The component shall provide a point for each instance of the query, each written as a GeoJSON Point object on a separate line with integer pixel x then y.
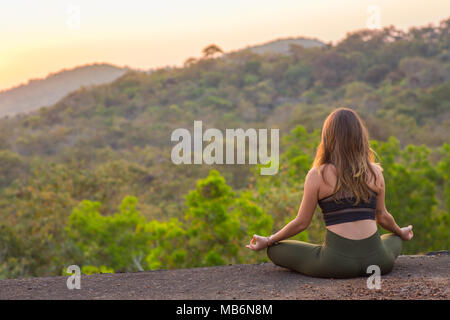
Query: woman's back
{"type": "Point", "coordinates": [354, 230]}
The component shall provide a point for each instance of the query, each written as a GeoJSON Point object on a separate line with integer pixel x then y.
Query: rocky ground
{"type": "Point", "coordinates": [413, 277]}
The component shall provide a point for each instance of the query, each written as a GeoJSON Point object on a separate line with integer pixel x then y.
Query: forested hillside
{"type": "Point", "coordinates": [89, 181]}
{"type": "Point", "coordinates": [37, 93]}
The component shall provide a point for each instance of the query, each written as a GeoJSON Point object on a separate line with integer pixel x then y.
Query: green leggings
{"type": "Point", "coordinates": [338, 257]}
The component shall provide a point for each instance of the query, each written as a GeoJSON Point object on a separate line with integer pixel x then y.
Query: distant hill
{"type": "Point", "coordinates": [45, 92]}
{"type": "Point", "coordinates": [282, 45]}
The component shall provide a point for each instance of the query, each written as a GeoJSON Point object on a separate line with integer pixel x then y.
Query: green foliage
{"type": "Point", "coordinates": [124, 241]}
{"type": "Point", "coordinates": [88, 270]}
{"type": "Point", "coordinates": [12, 167]}
{"type": "Point", "coordinates": [411, 184]}
{"type": "Point", "coordinates": [168, 244]}
{"type": "Point", "coordinates": [217, 226]}
{"type": "Point", "coordinates": [219, 222]}
{"type": "Point", "coordinates": [444, 172]}
{"type": "Point", "coordinates": [12, 265]}
{"type": "Point", "coordinates": [116, 241]}
{"type": "Point", "coordinates": [300, 152]}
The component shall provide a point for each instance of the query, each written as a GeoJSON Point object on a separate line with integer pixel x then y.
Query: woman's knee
{"type": "Point", "coordinates": [293, 254]}
{"type": "Point", "coordinates": [271, 253]}
{"type": "Point", "coordinates": [281, 253]}
{"type": "Point", "coordinates": [268, 251]}
{"type": "Point", "coordinates": [393, 243]}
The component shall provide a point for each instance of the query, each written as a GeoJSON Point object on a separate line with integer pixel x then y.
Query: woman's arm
{"type": "Point", "coordinates": [306, 210]}
{"type": "Point", "coordinates": [303, 218]}
{"type": "Point", "coordinates": [384, 218]}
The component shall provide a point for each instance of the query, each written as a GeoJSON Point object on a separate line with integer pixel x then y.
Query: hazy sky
{"type": "Point", "coordinates": [42, 36]}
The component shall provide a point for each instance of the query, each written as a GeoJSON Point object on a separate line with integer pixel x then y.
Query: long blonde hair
{"type": "Point", "coordinates": [345, 144]}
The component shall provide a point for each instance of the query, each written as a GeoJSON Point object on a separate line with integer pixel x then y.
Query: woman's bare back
{"type": "Point", "coordinates": [355, 230]}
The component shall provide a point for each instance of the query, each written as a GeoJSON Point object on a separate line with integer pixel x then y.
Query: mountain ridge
{"type": "Point", "coordinates": [282, 45]}
{"type": "Point", "coordinates": [40, 92]}
{"type": "Point", "coordinates": [36, 93]}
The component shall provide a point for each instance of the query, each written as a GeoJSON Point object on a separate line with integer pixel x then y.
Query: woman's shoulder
{"type": "Point", "coordinates": [376, 167]}
{"type": "Point", "coordinates": [326, 168]}
{"type": "Point", "coordinates": [379, 182]}
{"type": "Point", "coordinates": [331, 168]}
{"type": "Point", "coordinates": [327, 172]}
{"type": "Point", "coordinates": [324, 174]}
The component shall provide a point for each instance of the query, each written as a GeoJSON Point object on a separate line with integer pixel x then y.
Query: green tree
{"type": "Point", "coordinates": [411, 192]}
{"type": "Point", "coordinates": [211, 51]}
{"type": "Point", "coordinates": [219, 222]}
{"type": "Point", "coordinates": [12, 166]}
{"type": "Point", "coordinates": [124, 241]}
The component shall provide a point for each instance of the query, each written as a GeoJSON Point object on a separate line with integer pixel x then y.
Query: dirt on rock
{"type": "Point", "coordinates": [413, 277]}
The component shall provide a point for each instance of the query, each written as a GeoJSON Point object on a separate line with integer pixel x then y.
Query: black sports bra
{"type": "Point", "coordinates": [346, 211]}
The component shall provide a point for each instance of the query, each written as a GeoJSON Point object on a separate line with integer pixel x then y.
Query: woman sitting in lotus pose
{"type": "Point", "coordinates": [349, 188]}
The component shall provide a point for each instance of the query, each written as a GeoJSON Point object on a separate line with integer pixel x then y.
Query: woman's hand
{"type": "Point", "coordinates": [258, 243]}
{"type": "Point", "coordinates": [406, 233]}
